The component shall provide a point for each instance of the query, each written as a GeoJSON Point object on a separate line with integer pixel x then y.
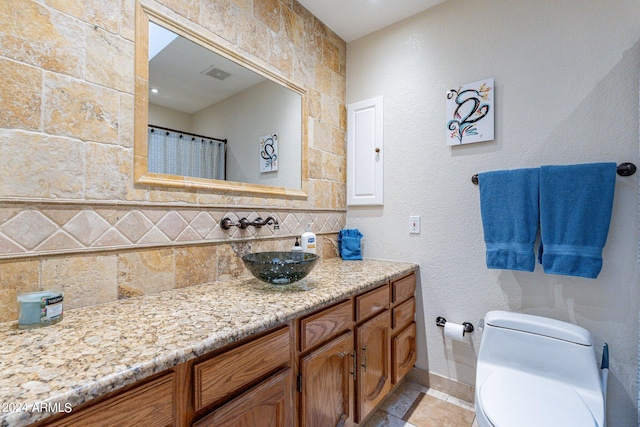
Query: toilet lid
{"type": "Point", "coordinates": [512, 398]}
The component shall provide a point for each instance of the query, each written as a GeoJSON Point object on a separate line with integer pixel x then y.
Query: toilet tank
{"type": "Point", "coordinates": [541, 346]}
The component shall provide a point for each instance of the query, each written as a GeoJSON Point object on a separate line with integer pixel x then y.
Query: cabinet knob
{"type": "Point", "coordinates": [377, 150]}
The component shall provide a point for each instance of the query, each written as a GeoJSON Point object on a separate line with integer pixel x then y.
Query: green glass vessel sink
{"type": "Point", "coordinates": [280, 268]}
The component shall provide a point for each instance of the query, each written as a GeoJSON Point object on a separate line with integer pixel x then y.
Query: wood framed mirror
{"type": "Point", "coordinates": [272, 106]}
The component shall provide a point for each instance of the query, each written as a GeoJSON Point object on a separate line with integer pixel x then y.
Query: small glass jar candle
{"type": "Point", "coordinates": [40, 308]}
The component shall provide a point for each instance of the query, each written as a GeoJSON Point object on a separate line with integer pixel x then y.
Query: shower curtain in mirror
{"type": "Point", "coordinates": [183, 154]}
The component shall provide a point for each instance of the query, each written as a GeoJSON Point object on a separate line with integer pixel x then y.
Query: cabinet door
{"type": "Point", "coordinates": [404, 352]}
{"type": "Point", "coordinates": [266, 405]}
{"type": "Point", "coordinates": [327, 386]}
{"type": "Point", "coordinates": [364, 153]}
{"type": "Point", "coordinates": [374, 363]}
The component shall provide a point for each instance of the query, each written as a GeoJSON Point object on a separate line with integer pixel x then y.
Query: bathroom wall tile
{"type": "Point", "coordinates": [230, 264]}
{"type": "Point", "coordinates": [315, 104]}
{"type": "Point", "coordinates": [244, 5]}
{"type": "Point", "coordinates": [80, 110]}
{"type": "Point", "coordinates": [29, 228]}
{"type": "Point", "coordinates": [16, 276]}
{"type": "Point", "coordinates": [321, 135]}
{"type": "Point", "coordinates": [26, 160]}
{"type": "Point", "coordinates": [134, 225]}
{"type": "Point", "coordinates": [21, 94]}
{"type": "Point", "coordinates": [303, 69]}
{"type": "Point", "coordinates": [108, 60]}
{"type": "Point", "coordinates": [331, 110]}
{"type": "Point", "coordinates": [109, 171]}
{"type": "Point", "coordinates": [339, 142]}
{"type": "Point", "coordinates": [315, 163]}
{"type": "Point", "coordinates": [333, 167]}
{"type": "Point", "coordinates": [322, 193]}
{"type": "Point", "coordinates": [86, 227]}
{"type": "Point", "coordinates": [324, 78]}
{"type": "Point", "coordinates": [86, 280]}
{"type": "Point", "coordinates": [172, 225]}
{"type": "Point", "coordinates": [253, 36]}
{"type": "Point", "coordinates": [203, 224]}
{"type": "Point", "coordinates": [221, 17]}
{"type": "Point", "coordinates": [33, 33]}
{"type": "Point", "coordinates": [174, 195]}
{"type": "Point", "coordinates": [9, 247]}
{"type": "Point", "coordinates": [339, 193]}
{"type": "Point", "coordinates": [196, 265]}
{"type": "Point", "coordinates": [268, 12]}
{"type": "Point", "coordinates": [112, 238]}
{"type": "Point", "coordinates": [145, 272]}
{"type": "Point", "coordinates": [331, 55]}
{"type": "Point", "coordinates": [128, 19]}
{"type": "Point", "coordinates": [59, 240]}
{"type": "Point", "coordinates": [187, 8]}
{"type": "Point", "coordinates": [281, 53]}
{"type": "Point", "coordinates": [95, 12]}
{"type": "Point", "coordinates": [126, 125]}
{"type": "Point", "coordinates": [293, 27]}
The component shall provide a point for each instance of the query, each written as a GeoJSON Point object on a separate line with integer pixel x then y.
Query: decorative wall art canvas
{"type": "Point", "coordinates": [470, 113]}
{"type": "Point", "coordinates": [269, 153]}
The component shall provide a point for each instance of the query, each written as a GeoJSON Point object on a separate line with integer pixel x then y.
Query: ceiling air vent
{"type": "Point", "coordinates": [216, 73]}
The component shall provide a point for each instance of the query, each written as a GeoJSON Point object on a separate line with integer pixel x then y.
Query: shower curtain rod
{"type": "Point", "coordinates": [624, 169]}
{"type": "Point", "coordinates": [188, 133]}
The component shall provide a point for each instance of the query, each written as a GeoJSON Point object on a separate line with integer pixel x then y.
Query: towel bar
{"type": "Point", "coordinates": [624, 169]}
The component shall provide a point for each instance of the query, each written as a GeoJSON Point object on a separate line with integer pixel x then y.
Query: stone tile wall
{"type": "Point", "coordinates": [70, 215]}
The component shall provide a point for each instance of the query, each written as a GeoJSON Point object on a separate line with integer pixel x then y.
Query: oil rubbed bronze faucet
{"type": "Point", "coordinates": [244, 223]}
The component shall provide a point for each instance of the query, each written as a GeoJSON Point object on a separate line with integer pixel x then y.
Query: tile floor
{"type": "Point", "coordinates": [413, 405]}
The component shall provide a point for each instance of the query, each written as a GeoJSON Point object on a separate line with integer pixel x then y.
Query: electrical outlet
{"type": "Point", "coordinates": [414, 225]}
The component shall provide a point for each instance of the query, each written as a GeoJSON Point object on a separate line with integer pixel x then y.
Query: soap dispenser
{"type": "Point", "coordinates": [296, 247]}
{"type": "Point", "coordinates": [309, 240]}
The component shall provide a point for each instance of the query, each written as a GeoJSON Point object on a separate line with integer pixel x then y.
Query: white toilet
{"type": "Point", "coordinates": [533, 371]}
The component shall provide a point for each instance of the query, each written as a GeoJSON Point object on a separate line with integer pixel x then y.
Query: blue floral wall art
{"type": "Point", "coordinates": [470, 113]}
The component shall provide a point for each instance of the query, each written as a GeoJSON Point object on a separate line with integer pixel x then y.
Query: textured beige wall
{"type": "Point", "coordinates": [70, 214]}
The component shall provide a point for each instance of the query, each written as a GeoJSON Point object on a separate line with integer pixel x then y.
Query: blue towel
{"type": "Point", "coordinates": [509, 209]}
{"type": "Point", "coordinates": [349, 244]}
{"type": "Point", "coordinates": [575, 212]}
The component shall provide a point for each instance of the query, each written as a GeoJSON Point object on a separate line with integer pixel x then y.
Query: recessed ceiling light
{"type": "Point", "coordinates": [154, 90]}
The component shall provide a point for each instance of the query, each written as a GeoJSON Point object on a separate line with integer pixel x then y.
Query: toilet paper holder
{"type": "Point", "coordinates": [468, 327]}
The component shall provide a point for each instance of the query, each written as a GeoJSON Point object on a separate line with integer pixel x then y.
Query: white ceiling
{"type": "Point", "coordinates": [351, 19]}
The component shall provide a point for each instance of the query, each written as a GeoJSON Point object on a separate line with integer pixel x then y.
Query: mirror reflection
{"type": "Point", "coordinates": [210, 117]}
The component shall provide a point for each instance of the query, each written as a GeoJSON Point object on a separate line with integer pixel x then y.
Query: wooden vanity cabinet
{"type": "Point", "coordinates": [403, 327]}
{"type": "Point", "coordinates": [342, 360]}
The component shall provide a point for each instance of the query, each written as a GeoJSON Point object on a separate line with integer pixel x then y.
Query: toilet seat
{"type": "Point", "coordinates": [512, 398]}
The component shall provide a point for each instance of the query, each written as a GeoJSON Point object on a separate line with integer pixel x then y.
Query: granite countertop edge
{"type": "Point", "coordinates": [26, 380]}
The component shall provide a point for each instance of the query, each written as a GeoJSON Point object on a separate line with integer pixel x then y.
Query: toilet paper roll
{"type": "Point", "coordinates": [454, 331]}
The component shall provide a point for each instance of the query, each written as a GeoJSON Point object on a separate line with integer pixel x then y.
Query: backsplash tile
{"type": "Point", "coordinates": [50, 230]}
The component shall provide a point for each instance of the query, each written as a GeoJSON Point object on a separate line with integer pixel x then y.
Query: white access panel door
{"type": "Point", "coordinates": [365, 153]}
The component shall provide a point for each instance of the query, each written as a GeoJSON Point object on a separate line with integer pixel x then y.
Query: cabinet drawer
{"type": "Point", "coordinates": [403, 348]}
{"type": "Point", "coordinates": [148, 404]}
{"type": "Point", "coordinates": [218, 378]}
{"type": "Point", "coordinates": [403, 288]}
{"type": "Point", "coordinates": [372, 302]}
{"type": "Point", "coordinates": [325, 324]}
{"type": "Point", "coordinates": [403, 314]}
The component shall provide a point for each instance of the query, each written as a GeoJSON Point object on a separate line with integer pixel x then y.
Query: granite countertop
{"type": "Point", "coordinates": [95, 350]}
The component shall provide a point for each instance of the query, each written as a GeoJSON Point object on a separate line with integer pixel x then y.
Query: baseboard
{"type": "Point", "coordinates": [446, 385]}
